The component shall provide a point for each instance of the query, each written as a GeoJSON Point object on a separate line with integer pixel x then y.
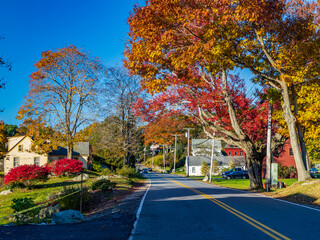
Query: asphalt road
{"type": "Point", "coordinates": [180, 208]}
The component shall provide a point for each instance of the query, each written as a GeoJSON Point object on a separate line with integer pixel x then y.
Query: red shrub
{"type": "Point", "coordinates": [65, 165]}
{"type": "Point", "coordinates": [26, 175]}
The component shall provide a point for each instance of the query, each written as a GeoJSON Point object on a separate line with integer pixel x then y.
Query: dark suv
{"type": "Point", "coordinates": [225, 174]}
{"type": "Point", "coordinates": [238, 174]}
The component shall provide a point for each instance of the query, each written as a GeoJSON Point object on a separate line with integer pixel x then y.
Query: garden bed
{"type": "Point", "coordinates": [41, 191]}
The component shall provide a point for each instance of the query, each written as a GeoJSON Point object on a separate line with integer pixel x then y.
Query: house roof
{"type": "Point", "coordinates": [22, 138]}
{"type": "Point", "coordinates": [223, 160]}
{"type": "Point", "coordinates": [198, 160]}
{"type": "Point", "coordinates": [205, 143]}
{"type": "Point", "coordinates": [228, 146]}
{"type": "Point", "coordinates": [80, 148]}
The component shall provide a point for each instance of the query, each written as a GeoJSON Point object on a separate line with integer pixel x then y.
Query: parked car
{"type": "Point", "coordinates": [144, 170]}
{"type": "Point", "coordinates": [313, 175]}
{"type": "Point", "coordinates": [225, 174]}
{"type": "Point", "coordinates": [238, 174]}
{"type": "Point", "coordinates": [149, 169]}
{"type": "Point", "coordinates": [313, 170]}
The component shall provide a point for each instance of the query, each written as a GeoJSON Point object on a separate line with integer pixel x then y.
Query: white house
{"type": "Point", "coordinates": [193, 166]}
{"type": "Point", "coordinates": [19, 153]}
{"type": "Point", "coordinates": [203, 147]}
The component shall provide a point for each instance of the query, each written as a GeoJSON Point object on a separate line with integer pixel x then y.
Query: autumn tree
{"type": "Point", "coordinates": [162, 127]}
{"type": "Point", "coordinates": [107, 143]}
{"type": "Point", "coordinates": [120, 91]}
{"type": "Point", "coordinates": [220, 107]}
{"type": "Point", "coordinates": [3, 140]}
{"type": "Point", "coordinates": [62, 91]}
{"type": "Point", "coordinates": [308, 117]}
{"type": "Point", "coordinates": [276, 40]}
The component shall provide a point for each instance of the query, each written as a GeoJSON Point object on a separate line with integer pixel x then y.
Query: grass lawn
{"type": "Point", "coordinates": [53, 185]}
{"type": "Point", "coordinates": [39, 194]}
{"type": "Point", "coordinates": [244, 184]}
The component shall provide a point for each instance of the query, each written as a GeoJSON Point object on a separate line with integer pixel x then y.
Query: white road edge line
{"type": "Point", "coordinates": [139, 212]}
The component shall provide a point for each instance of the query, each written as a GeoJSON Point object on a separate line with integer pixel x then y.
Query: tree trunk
{"type": "Point", "coordinates": [303, 147]}
{"type": "Point", "coordinates": [300, 132]}
{"type": "Point", "coordinates": [69, 152]}
{"type": "Point", "coordinates": [292, 127]}
{"type": "Point", "coordinates": [254, 162]}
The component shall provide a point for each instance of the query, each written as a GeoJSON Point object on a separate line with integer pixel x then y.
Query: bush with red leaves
{"type": "Point", "coordinates": [62, 166]}
{"type": "Point", "coordinates": [26, 175]}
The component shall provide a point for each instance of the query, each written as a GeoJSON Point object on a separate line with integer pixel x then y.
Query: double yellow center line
{"type": "Point", "coordinates": [272, 233]}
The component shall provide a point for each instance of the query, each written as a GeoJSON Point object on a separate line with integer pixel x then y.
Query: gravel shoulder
{"type": "Point", "coordinates": [115, 221]}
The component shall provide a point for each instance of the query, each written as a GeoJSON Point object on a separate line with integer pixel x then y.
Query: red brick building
{"type": "Point", "coordinates": [283, 156]}
{"type": "Point", "coordinates": [232, 150]}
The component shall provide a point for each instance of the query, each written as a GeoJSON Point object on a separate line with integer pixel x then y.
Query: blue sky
{"type": "Point", "coordinates": [33, 26]}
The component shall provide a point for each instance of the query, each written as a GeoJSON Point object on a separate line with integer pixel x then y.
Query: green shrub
{"type": "Point", "coordinates": [97, 184]}
{"type": "Point", "coordinates": [20, 204]}
{"type": "Point", "coordinates": [107, 186]}
{"type": "Point", "coordinates": [287, 172]}
{"type": "Point", "coordinates": [99, 167]}
{"type": "Point", "coordinates": [73, 201]}
{"type": "Point", "coordinates": [158, 160]}
{"type": "Point", "coordinates": [103, 184]}
{"type": "Point", "coordinates": [106, 172]}
{"type": "Point", "coordinates": [204, 168]}
{"type": "Point", "coordinates": [128, 172]}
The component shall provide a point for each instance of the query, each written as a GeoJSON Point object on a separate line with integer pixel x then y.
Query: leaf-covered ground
{"type": "Point", "coordinates": [302, 192]}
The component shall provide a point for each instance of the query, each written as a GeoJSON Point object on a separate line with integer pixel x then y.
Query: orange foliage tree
{"type": "Point", "coordinates": [275, 40]}
{"type": "Point", "coordinates": [62, 91]}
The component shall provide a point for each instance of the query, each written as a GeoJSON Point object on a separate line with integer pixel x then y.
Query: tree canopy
{"type": "Point", "coordinates": [62, 91]}
{"type": "Point", "coordinates": [278, 41]}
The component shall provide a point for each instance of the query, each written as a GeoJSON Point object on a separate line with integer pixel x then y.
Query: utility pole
{"type": "Point", "coordinates": [187, 160]}
{"type": "Point", "coordinates": [175, 152]}
{"type": "Point", "coordinates": [268, 159]}
{"type": "Point", "coordinates": [164, 159]}
{"type": "Point", "coordinates": [211, 160]}
{"type": "Point", "coordinates": [144, 155]}
{"type": "Point", "coordinates": [152, 157]}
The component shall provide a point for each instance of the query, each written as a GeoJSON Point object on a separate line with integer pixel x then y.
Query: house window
{"type": "Point", "coordinates": [241, 153]}
{"type": "Point", "coordinates": [20, 148]}
{"type": "Point", "coordinates": [193, 170]}
{"type": "Point", "coordinates": [36, 161]}
{"type": "Point", "coordinates": [235, 153]}
{"type": "Point", "coordinates": [15, 161]}
{"type": "Point", "coordinates": [290, 151]}
{"type": "Point", "coordinates": [77, 158]}
{"type": "Point", "coordinates": [229, 153]}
